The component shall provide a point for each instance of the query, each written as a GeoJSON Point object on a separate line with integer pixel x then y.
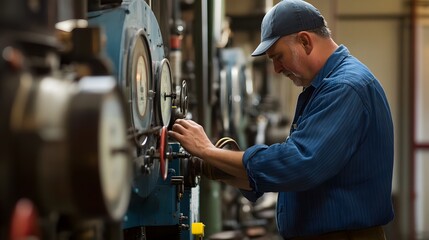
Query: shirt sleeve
{"type": "Point", "coordinates": [326, 136]}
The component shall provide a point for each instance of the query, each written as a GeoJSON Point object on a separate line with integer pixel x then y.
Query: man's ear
{"type": "Point", "coordinates": [306, 42]}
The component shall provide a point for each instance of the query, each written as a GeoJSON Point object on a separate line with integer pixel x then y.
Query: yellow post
{"type": "Point", "coordinates": [197, 229]}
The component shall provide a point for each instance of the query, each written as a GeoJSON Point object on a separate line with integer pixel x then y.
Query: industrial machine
{"type": "Point", "coordinates": [165, 192]}
{"type": "Point", "coordinates": [86, 99]}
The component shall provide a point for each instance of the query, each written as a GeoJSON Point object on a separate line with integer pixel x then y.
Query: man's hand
{"type": "Point", "coordinates": [191, 136]}
{"type": "Point", "coordinates": [222, 164]}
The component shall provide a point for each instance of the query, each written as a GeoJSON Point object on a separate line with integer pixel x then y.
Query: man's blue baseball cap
{"type": "Point", "coordinates": [287, 17]}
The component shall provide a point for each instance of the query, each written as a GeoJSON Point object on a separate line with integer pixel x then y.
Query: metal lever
{"type": "Point", "coordinates": [172, 95]}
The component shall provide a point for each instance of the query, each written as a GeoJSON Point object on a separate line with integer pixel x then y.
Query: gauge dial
{"type": "Point", "coordinates": [114, 162]}
{"type": "Point", "coordinates": [81, 147]}
{"type": "Point", "coordinates": [141, 95]}
{"type": "Point", "coordinates": [165, 92]}
{"type": "Point", "coordinates": [99, 158]}
{"type": "Point", "coordinates": [141, 78]}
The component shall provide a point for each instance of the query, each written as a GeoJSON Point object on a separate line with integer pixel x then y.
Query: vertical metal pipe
{"type": "Point", "coordinates": [210, 190]}
{"type": "Point", "coordinates": [201, 43]}
{"type": "Point", "coordinates": [412, 102]}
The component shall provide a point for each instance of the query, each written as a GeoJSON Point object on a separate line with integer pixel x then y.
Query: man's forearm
{"type": "Point", "coordinates": [228, 161]}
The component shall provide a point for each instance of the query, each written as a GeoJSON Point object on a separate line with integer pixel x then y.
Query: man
{"type": "Point", "coordinates": [334, 171]}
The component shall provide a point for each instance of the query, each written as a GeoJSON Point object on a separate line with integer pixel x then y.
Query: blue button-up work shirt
{"type": "Point", "coordinates": [334, 172]}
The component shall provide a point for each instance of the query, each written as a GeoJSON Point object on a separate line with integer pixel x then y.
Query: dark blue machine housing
{"type": "Point", "coordinates": [125, 25]}
{"type": "Point", "coordinates": [171, 208]}
{"type": "Point", "coordinates": [159, 208]}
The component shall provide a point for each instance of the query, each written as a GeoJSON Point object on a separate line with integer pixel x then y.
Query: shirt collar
{"type": "Point", "coordinates": [333, 61]}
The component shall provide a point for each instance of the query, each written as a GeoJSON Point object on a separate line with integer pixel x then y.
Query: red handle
{"type": "Point", "coordinates": [163, 153]}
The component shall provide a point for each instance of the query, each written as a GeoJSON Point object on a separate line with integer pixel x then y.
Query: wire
{"type": "Point", "coordinates": [224, 141]}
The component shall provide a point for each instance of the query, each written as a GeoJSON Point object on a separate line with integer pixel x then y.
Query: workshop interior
{"type": "Point", "coordinates": [90, 88]}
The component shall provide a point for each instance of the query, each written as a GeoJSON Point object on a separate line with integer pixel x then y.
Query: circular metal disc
{"type": "Point", "coordinates": [164, 90]}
